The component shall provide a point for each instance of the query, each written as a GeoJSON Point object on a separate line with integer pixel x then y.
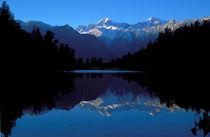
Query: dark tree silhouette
{"type": "Point", "coordinates": [24, 51]}
{"type": "Point", "coordinates": [176, 64]}
{"type": "Point", "coordinates": [80, 61]}
{"type": "Point", "coordinates": [203, 124]}
{"type": "Point", "coordinates": [30, 63]}
{"type": "Point", "coordinates": [184, 49]}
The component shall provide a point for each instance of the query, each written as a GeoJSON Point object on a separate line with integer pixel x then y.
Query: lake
{"type": "Point", "coordinates": [109, 103]}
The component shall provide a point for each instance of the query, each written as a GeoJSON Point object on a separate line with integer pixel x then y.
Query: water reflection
{"type": "Point", "coordinates": [202, 123]}
{"type": "Point", "coordinates": [104, 71]}
{"type": "Point", "coordinates": [110, 103]}
{"type": "Point", "coordinates": [111, 93]}
{"type": "Point", "coordinates": [127, 96]}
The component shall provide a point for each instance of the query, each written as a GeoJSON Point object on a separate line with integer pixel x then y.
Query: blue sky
{"type": "Point", "coordinates": [84, 12]}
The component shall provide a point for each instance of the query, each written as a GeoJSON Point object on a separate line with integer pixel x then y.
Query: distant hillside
{"type": "Point", "coordinates": [108, 39]}
{"type": "Point", "coordinates": [85, 45]}
{"type": "Point", "coordinates": [122, 38]}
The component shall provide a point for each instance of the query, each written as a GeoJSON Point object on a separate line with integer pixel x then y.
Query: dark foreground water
{"type": "Point", "coordinates": [109, 105]}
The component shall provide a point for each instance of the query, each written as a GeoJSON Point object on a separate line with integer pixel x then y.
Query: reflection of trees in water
{"type": "Point", "coordinates": [186, 91]}
{"type": "Point", "coordinates": [47, 93]}
{"type": "Point", "coordinates": [169, 91]}
{"type": "Point", "coordinates": [89, 89]}
{"type": "Point", "coordinates": [202, 124]}
{"type": "Point", "coordinates": [35, 94]}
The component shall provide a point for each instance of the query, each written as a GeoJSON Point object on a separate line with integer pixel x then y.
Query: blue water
{"type": "Point", "coordinates": [107, 106]}
{"type": "Point", "coordinates": [86, 123]}
{"type": "Point", "coordinates": [104, 71]}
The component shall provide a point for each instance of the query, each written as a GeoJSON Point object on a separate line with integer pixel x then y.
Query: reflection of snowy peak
{"type": "Point", "coordinates": [107, 29]}
{"type": "Point", "coordinates": [106, 105]}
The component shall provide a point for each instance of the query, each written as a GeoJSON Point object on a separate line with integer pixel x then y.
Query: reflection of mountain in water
{"type": "Point", "coordinates": [87, 89]}
{"type": "Point", "coordinates": [110, 103]}
{"type": "Point", "coordinates": [109, 94]}
{"type": "Point", "coordinates": [105, 93]}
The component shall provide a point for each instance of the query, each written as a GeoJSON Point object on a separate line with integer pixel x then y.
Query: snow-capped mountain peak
{"type": "Point", "coordinates": [110, 30]}
{"type": "Point", "coordinates": [156, 21]}
{"type": "Point", "coordinates": [116, 38]}
{"type": "Point", "coordinates": [103, 21]}
{"type": "Point", "coordinates": [152, 19]}
{"type": "Point", "coordinates": [122, 38]}
{"type": "Point", "coordinates": [107, 20]}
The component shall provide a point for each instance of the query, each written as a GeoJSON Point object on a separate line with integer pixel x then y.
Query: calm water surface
{"type": "Point", "coordinates": [107, 105]}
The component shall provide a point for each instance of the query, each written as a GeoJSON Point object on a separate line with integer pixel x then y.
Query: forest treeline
{"type": "Point", "coordinates": [182, 53]}
{"type": "Point", "coordinates": [183, 49]}
{"type": "Point", "coordinates": [27, 52]}
{"type": "Point", "coordinates": [177, 63]}
{"type": "Point", "coordinates": [23, 51]}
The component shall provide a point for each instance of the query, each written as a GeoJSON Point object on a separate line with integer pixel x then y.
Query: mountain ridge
{"type": "Point", "coordinates": [108, 39]}
{"type": "Point", "coordinates": [152, 24]}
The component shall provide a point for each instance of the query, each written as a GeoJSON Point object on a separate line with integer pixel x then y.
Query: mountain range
{"type": "Point", "coordinates": [108, 39]}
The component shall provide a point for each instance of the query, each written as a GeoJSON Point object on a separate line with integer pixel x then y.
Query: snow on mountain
{"type": "Point", "coordinates": [108, 39]}
{"type": "Point", "coordinates": [107, 29]}
{"type": "Point", "coordinates": [104, 28]}
{"type": "Point", "coordinates": [156, 21]}
{"type": "Point", "coordinates": [122, 38]}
